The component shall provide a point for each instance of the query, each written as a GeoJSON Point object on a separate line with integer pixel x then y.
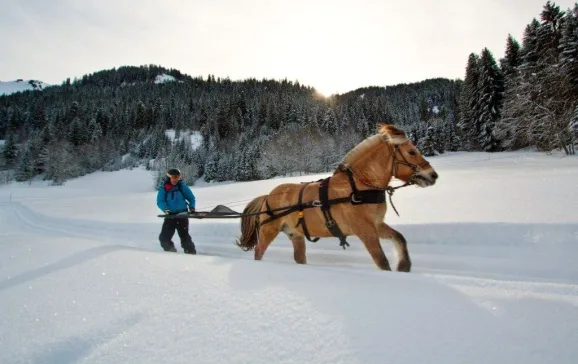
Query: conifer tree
{"type": "Point", "coordinates": [512, 60]}
{"type": "Point", "coordinates": [10, 151]}
{"type": "Point", "coordinates": [25, 170]}
{"type": "Point", "coordinates": [77, 132]}
{"type": "Point", "coordinates": [569, 50]}
{"type": "Point", "coordinates": [489, 102]}
{"type": "Point", "coordinates": [426, 144]}
{"type": "Point", "coordinates": [96, 132]}
{"type": "Point", "coordinates": [529, 50]}
{"type": "Point", "coordinates": [469, 96]}
{"type": "Point", "coordinates": [549, 34]}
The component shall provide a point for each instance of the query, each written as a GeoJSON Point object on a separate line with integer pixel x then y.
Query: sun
{"type": "Point", "coordinates": [325, 93]}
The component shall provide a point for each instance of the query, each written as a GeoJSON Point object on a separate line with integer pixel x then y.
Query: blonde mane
{"type": "Point", "coordinates": [386, 133]}
{"type": "Point", "coordinates": [361, 148]}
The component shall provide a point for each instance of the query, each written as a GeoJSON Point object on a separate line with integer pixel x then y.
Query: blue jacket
{"type": "Point", "coordinates": [171, 198]}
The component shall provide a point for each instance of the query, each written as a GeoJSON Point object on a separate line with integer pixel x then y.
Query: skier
{"type": "Point", "coordinates": [175, 197]}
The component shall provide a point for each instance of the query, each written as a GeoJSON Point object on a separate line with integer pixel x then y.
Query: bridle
{"type": "Point", "coordinates": [395, 162]}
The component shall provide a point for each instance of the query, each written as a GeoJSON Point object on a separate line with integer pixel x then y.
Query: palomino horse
{"type": "Point", "coordinates": [353, 199]}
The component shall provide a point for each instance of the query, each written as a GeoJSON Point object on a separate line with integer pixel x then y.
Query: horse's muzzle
{"type": "Point", "coordinates": [424, 178]}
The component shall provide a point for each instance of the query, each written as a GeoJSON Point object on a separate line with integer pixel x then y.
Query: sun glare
{"type": "Point", "coordinates": [323, 93]}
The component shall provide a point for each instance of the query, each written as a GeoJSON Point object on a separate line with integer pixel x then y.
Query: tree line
{"type": "Point", "coordinates": [254, 129]}
{"type": "Point", "coordinates": [529, 99]}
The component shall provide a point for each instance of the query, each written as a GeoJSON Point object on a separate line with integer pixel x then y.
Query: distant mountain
{"type": "Point", "coordinates": [131, 76]}
{"type": "Point", "coordinates": [7, 88]}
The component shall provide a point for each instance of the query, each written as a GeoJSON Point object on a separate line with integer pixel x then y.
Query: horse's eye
{"type": "Point", "coordinates": [412, 152]}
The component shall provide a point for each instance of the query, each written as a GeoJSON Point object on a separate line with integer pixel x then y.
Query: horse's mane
{"type": "Point", "coordinates": [386, 133]}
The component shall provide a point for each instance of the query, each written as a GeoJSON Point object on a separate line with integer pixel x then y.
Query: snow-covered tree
{"type": "Point", "coordinates": [469, 96]}
{"type": "Point", "coordinates": [10, 150]}
{"type": "Point", "coordinates": [426, 144]}
{"type": "Point", "coordinates": [569, 50]}
{"type": "Point", "coordinates": [512, 59]}
{"type": "Point", "coordinates": [26, 166]}
{"type": "Point", "coordinates": [490, 89]}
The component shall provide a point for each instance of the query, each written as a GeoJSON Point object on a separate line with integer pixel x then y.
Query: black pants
{"type": "Point", "coordinates": [181, 225]}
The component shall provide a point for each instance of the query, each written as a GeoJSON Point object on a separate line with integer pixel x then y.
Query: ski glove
{"type": "Point", "coordinates": [167, 212]}
{"type": "Point", "coordinates": [192, 210]}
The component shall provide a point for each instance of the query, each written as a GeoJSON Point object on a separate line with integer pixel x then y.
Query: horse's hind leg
{"type": "Point", "coordinates": [387, 232]}
{"type": "Point", "coordinates": [266, 234]}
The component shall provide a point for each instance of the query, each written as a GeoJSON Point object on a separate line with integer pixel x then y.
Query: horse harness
{"type": "Point", "coordinates": [357, 197]}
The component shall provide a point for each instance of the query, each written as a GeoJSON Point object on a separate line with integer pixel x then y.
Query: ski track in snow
{"type": "Point", "coordinates": [217, 239]}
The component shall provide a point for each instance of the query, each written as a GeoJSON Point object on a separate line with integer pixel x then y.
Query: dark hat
{"type": "Point", "coordinates": [174, 172]}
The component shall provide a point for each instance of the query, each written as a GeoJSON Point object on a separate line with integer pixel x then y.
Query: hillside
{"type": "Point", "coordinates": [118, 118]}
{"type": "Point", "coordinates": [10, 87]}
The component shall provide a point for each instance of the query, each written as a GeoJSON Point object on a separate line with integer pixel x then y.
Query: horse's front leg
{"type": "Point", "coordinates": [367, 233]}
{"type": "Point", "coordinates": [298, 241]}
{"type": "Point", "coordinates": [299, 249]}
{"type": "Point", "coordinates": [400, 244]}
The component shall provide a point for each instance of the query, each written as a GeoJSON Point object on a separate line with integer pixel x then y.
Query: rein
{"type": "Point", "coordinates": [390, 190]}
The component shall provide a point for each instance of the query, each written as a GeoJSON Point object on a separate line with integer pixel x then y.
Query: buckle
{"type": "Point", "coordinates": [355, 199]}
{"type": "Point", "coordinates": [316, 203]}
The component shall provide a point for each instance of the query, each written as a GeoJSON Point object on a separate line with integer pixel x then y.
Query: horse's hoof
{"type": "Point", "coordinates": [404, 266]}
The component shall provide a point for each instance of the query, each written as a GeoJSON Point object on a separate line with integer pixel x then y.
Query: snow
{"type": "Point", "coordinates": [195, 137]}
{"type": "Point", "coordinates": [162, 78]}
{"type": "Point", "coordinates": [7, 88]}
{"type": "Point", "coordinates": [494, 278]}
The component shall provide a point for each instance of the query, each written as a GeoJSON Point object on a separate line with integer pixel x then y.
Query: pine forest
{"type": "Point", "coordinates": [255, 129]}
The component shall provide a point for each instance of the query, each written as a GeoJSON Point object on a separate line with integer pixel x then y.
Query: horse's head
{"type": "Point", "coordinates": [408, 164]}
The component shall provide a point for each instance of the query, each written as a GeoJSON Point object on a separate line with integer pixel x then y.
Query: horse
{"type": "Point", "coordinates": [351, 199]}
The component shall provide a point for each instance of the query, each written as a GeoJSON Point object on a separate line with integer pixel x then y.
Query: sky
{"type": "Point", "coordinates": [332, 45]}
{"type": "Point", "coordinates": [494, 276]}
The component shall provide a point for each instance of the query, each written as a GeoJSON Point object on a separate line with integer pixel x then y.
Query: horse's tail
{"type": "Point", "coordinates": [249, 224]}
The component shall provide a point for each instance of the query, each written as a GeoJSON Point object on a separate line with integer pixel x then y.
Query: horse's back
{"type": "Point", "coordinates": [287, 194]}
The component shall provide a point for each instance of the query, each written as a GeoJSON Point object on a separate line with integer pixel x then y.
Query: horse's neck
{"type": "Point", "coordinates": [374, 168]}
